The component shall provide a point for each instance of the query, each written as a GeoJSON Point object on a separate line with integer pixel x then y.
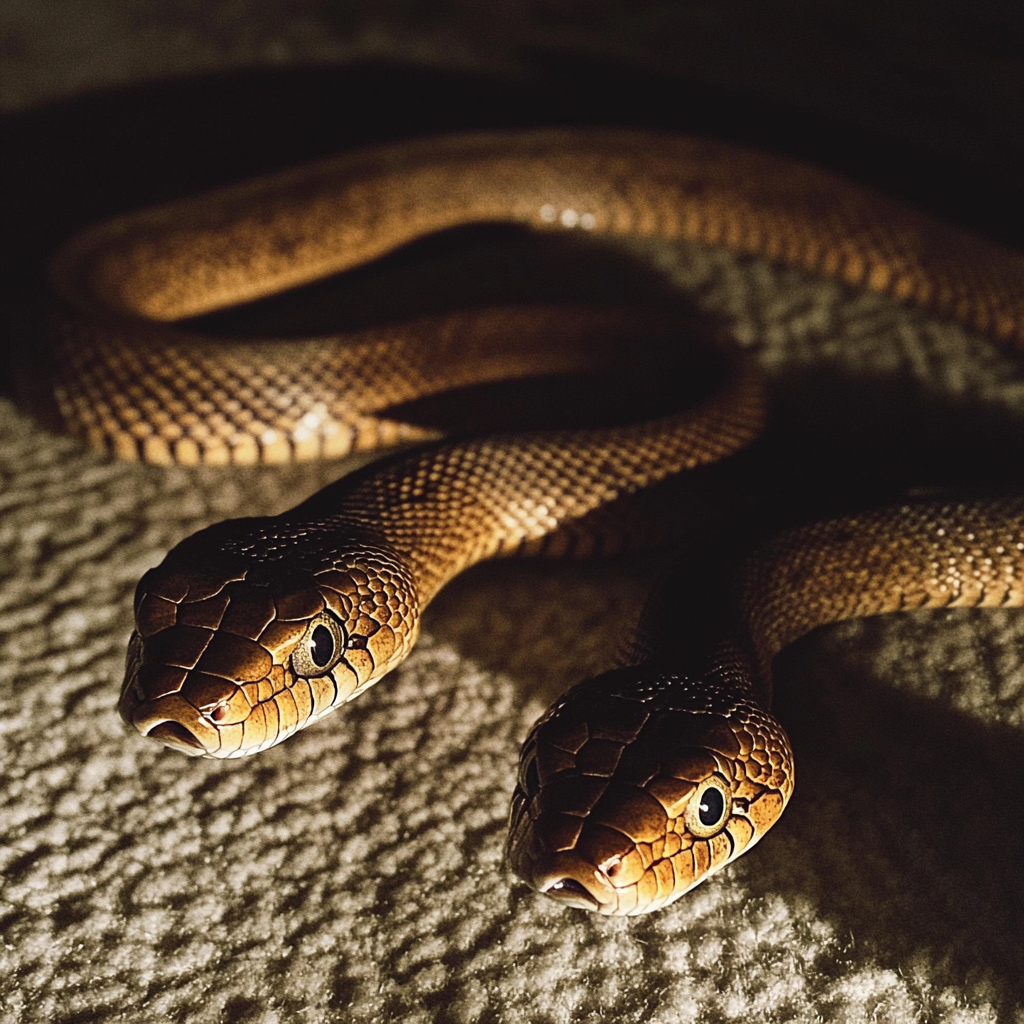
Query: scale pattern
{"type": "Point", "coordinates": [607, 775]}
{"type": "Point", "coordinates": [253, 628]}
{"type": "Point", "coordinates": [449, 507]}
{"type": "Point", "coordinates": [145, 392]}
{"type": "Point", "coordinates": [948, 555]}
{"type": "Point", "coordinates": [277, 232]}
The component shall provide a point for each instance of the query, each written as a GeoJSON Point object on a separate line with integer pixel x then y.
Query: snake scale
{"type": "Point", "coordinates": [636, 785]}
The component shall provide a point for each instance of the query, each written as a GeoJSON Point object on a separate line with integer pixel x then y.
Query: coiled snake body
{"type": "Point", "coordinates": [637, 785]}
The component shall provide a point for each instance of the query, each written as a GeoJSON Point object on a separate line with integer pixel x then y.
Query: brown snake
{"type": "Point", "coordinates": [637, 785]}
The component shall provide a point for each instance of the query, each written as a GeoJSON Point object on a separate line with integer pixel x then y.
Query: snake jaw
{"type": "Point", "coordinates": [573, 882]}
{"type": "Point", "coordinates": [175, 736]}
{"type": "Point", "coordinates": [172, 721]}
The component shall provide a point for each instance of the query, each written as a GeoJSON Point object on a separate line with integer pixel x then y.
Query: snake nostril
{"type": "Point", "coordinates": [568, 890]}
{"type": "Point", "coordinates": [172, 734]}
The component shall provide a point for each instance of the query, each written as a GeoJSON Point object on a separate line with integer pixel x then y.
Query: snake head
{"type": "Point", "coordinates": [638, 785]}
{"type": "Point", "coordinates": [232, 653]}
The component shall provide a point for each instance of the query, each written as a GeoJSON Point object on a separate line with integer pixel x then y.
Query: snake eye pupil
{"type": "Point", "coordinates": [712, 807]}
{"type": "Point", "coordinates": [321, 646]}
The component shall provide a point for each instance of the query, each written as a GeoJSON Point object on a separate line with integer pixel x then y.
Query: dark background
{"type": "Point", "coordinates": [923, 99]}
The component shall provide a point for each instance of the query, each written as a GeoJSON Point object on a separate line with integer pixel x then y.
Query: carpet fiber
{"type": "Point", "coordinates": [355, 872]}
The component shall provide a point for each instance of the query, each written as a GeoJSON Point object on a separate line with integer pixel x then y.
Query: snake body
{"type": "Point", "coordinates": [637, 785]}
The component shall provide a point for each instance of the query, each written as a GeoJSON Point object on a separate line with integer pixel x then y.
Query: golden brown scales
{"type": "Point", "coordinates": [252, 629]}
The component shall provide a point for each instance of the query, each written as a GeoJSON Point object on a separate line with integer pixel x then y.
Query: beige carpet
{"type": "Point", "coordinates": [355, 872]}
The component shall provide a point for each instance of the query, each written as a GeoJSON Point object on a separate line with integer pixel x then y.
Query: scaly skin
{"type": "Point", "coordinates": [253, 628]}
{"type": "Point", "coordinates": [603, 811]}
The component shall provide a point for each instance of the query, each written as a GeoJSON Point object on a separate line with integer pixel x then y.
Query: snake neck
{"type": "Point", "coordinates": [444, 508]}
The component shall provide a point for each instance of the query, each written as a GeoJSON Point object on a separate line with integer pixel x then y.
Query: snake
{"type": "Point", "coordinates": [640, 783]}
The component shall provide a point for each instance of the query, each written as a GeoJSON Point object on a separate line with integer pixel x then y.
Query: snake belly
{"type": "Point", "coordinates": [637, 785]}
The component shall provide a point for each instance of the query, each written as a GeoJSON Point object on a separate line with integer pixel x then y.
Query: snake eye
{"type": "Point", "coordinates": [709, 808]}
{"type": "Point", "coordinates": [321, 645]}
{"type": "Point", "coordinates": [320, 648]}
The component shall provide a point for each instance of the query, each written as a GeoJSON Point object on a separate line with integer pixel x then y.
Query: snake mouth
{"type": "Point", "coordinates": [567, 877]}
{"type": "Point", "coordinates": [172, 721]}
{"type": "Point", "coordinates": [177, 737]}
{"type": "Point", "coordinates": [572, 893]}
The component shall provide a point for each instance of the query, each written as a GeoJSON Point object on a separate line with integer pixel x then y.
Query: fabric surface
{"type": "Point", "coordinates": [354, 873]}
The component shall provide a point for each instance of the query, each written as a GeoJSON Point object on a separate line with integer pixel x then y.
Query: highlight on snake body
{"type": "Point", "coordinates": [637, 785]}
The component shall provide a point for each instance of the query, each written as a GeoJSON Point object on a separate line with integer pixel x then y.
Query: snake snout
{"type": "Point", "coordinates": [564, 875]}
{"type": "Point", "coordinates": [572, 894]}
{"type": "Point", "coordinates": [177, 737]}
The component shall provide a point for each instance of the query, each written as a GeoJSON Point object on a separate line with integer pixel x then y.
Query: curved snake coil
{"type": "Point", "coordinates": [639, 784]}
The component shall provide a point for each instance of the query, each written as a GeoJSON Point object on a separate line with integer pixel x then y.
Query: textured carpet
{"type": "Point", "coordinates": [355, 873]}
